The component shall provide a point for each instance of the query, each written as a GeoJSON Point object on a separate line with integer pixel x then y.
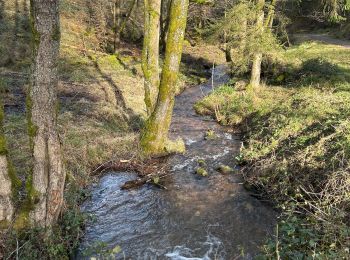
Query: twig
{"type": "Point", "coordinates": [277, 244]}
{"type": "Point", "coordinates": [100, 166]}
{"type": "Point", "coordinates": [17, 250]}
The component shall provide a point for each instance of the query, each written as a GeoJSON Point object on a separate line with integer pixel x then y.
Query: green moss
{"type": "Point", "coordinates": [210, 135]}
{"type": "Point", "coordinates": [202, 163]}
{"type": "Point", "coordinates": [32, 195]}
{"type": "Point", "coordinates": [110, 61]}
{"type": "Point", "coordinates": [225, 169]}
{"type": "Point", "coordinates": [4, 224]}
{"type": "Point", "coordinates": [177, 146]}
{"type": "Point", "coordinates": [150, 55]}
{"type": "Point", "coordinates": [3, 148]}
{"type": "Point", "coordinates": [22, 220]}
{"type": "Point", "coordinates": [16, 183]}
{"type": "Point", "coordinates": [202, 172]}
{"type": "Point", "coordinates": [35, 35]}
{"type": "Point", "coordinates": [32, 128]}
{"type": "Point", "coordinates": [154, 135]}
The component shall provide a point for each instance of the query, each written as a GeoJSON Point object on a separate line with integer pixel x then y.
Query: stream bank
{"type": "Point", "coordinates": [196, 217]}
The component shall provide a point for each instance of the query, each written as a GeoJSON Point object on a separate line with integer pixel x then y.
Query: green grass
{"type": "Point", "coordinates": [297, 147]}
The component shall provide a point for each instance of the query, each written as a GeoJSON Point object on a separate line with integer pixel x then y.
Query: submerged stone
{"type": "Point", "coordinates": [202, 163]}
{"type": "Point", "coordinates": [177, 146]}
{"type": "Point", "coordinates": [210, 135]}
{"type": "Point", "coordinates": [225, 169]}
{"type": "Point", "coordinates": [202, 172]}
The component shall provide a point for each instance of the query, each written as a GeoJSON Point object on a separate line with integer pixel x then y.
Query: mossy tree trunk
{"type": "Point", "coordinates": [257, 57]}
{"type": "Point", "coordinates": [9, 183]}
{"type": "Point", "coordinates": [154, 138]}
{"type": "Point", "coordinates": [165, 10]}
{"type": "Point", "coordinates": [46, 183]}
{"type": "Point", "coordinates": [270, 15]}
{"type": "Point", "coordinates": [150, 52]}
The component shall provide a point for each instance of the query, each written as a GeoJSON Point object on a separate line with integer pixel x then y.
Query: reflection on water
{"type": "Point", "coordinates": [196, 217]}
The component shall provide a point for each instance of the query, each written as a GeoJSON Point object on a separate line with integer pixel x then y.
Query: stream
{"type": "Point", "coordinates": [196, 217]}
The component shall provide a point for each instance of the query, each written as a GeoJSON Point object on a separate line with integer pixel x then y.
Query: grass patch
{"type": "Point", "coordinates": [296, 148]}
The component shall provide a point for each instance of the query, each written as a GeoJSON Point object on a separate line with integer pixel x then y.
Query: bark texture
{"type": "Point", "coordinates": [6, 205]}
{"type": "Point", "coordinates": [154, 139]}
{"type": "Point", "coordinates": [257, 58]}
{"type": "Point", "coordinates": [150, 52]}
{"type": "Point", "coordinates": [46, 184]}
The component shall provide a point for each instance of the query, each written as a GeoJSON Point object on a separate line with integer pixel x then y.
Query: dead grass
{"type": "Point", "coordinates": [101, 95]}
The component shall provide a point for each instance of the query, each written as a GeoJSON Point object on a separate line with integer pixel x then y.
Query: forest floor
{"type": "Point", "coordinates": [296, 132]}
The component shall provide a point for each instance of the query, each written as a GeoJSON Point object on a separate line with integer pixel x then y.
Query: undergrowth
{"type": "Point", "coordinates": [296, 147]}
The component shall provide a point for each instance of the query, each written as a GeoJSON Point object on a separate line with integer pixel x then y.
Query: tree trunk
{"type": "Point", "coordinates": [150, 52]}
{"type": "Point", "coordinates": [154, 138]}
{"type": "Point", "coordinates": [46, 184]}
{"type": "Point", "coordinates": [164, 23]}
{"type": "Point", "coordinates": [121, 25]}
{"type": "Point", "coordinates": [9, 183]}
{"type": "Point", "coordinates": [257, 58]}
{"type": "Point", "coordinates": [227, 46]}
{"type": "Point", "coordinates": [116, 24]}
{"type": "Point", "coordinates": [270, 15]}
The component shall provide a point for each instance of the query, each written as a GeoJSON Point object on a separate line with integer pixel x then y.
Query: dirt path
{"type": "Point", "coordinates": [325, 38]}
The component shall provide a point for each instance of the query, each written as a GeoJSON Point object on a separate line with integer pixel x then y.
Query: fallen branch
{"type": "Point", "coordinates": [147, 171]}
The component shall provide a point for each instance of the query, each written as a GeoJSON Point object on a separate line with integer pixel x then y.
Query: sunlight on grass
{"type": "Point", "coordinates": [297, 146]}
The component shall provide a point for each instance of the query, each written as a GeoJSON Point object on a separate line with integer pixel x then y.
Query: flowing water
{"type": "Point", "coordinates": [196, 217]}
